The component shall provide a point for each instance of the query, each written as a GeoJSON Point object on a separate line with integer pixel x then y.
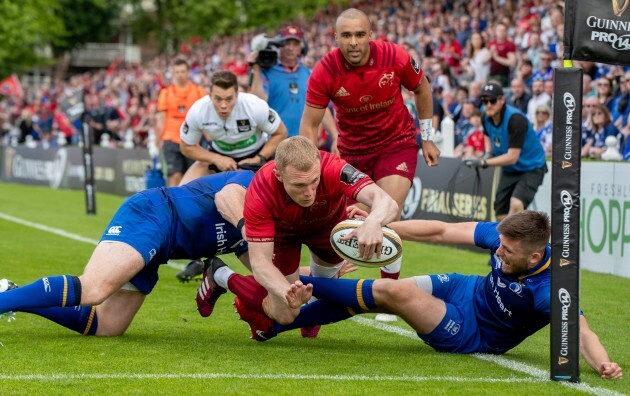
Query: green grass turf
{"type": "Point", "coordinates": [168, 342]}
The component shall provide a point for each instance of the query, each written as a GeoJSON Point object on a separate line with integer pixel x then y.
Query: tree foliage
{"type": "Point", "coordinates": [27, 29]}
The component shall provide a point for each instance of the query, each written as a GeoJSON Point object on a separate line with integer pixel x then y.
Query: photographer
{"type": "Point", "coordinates": [281, 80]}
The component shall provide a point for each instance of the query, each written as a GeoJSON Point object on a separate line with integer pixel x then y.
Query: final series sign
{"type": "Point", "coordinates": [598, 30]}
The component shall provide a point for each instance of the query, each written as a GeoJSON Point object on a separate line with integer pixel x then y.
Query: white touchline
{"type": "Point", "coordinates": [65, 234]}
{"type": "Point", "coordinates": [538, 374]}
{"type": "Point", "coordinates": [55, 377]}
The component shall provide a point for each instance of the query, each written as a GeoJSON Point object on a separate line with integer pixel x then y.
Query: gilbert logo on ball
{"type": "Point", "coordinates": [349, 249]}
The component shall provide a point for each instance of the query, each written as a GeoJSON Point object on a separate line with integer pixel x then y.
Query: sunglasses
{"type": "Point", "coordinates": [489, 101]}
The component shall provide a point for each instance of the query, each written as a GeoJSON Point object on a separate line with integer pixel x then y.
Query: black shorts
{"type": "Point", "coordinates": [520, 185]}
{"type": "Point", "coordinates": [176, 162]}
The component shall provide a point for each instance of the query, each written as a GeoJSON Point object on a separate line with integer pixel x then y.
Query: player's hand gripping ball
{"type": "Point", "coordinates": [349, 250]}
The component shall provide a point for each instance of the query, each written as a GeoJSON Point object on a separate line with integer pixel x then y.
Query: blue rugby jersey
{"type": "Point", "coordinates": [198, 230]}
{"type": "Point", "coordinates": [508, 308]}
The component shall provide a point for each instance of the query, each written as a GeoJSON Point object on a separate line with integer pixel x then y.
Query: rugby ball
{"type": "Point", "coordinates": [349, 250]}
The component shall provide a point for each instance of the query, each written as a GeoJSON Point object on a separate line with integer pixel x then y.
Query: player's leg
{"type": "Point", "coordinates": [174, 162]}
{"type": "Point", "coordinates": [116, 312]}
{"type": "Point", "coordinates": [525, 189]}
{"type": "Point", "coordinates": [506, 186]}
{"type": "Point", "coordinates": [197, 169]}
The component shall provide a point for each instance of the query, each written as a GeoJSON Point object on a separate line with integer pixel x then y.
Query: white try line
{"type": "Point", "coordinates": [64, 234]}
{"type": "Point", "coordinates": [537, 374]}
{"type": "Point", "coordinates": [301, 377]}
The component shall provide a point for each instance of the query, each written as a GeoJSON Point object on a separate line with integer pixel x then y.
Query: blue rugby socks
{"type": "Point", "coordinates": [53, 291]}
{"type": "Point", "coordinates": [318, 312]}
{"type": "Point", "coordinates": [354, 293]}
{"type": "Point", "coordinates": [82, 318]}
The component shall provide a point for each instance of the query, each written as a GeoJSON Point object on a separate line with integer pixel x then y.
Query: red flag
{"type": "Point", "coordinates": [114, 65]}
{"type": "Point", "coordinates": [11, 86]}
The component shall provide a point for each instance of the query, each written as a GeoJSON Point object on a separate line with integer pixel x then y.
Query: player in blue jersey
{"type": "Point", "coordinates": [511, 140]}
{"type": "Point", "coordinates": [199, 219]}
{"type": "Point", "coordinates": [452, 312]}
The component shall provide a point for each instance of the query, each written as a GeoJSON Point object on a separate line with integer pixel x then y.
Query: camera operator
{"type": "Point", "coordinates": [281, 80]}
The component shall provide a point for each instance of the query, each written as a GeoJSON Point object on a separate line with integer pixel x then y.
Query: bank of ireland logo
{"type": "Point", "coordinates": [619, 6]}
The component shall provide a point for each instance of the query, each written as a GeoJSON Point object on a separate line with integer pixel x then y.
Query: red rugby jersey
{"type": "Point", "coordinates": [269, 211]}
{"type": "Point", "coordinates": [368, 103]}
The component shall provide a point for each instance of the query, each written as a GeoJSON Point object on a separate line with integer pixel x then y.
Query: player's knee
{"type": "Point", "coordinates": [387, 291]}
{"type": "Point", "coordinates": [93, 292]}
{"type": "Point", "coordinates": [516, 205]}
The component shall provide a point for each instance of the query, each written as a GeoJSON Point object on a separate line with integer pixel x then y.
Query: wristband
{"type": "Point", "coordinates": [240, 224]}
{"type": "Point", "coordinates": [262, 158]}
{"type": "Point", "coordinates": [426, 129]}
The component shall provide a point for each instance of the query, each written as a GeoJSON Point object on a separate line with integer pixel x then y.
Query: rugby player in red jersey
{"type": "Point", "coordinates": [363, 79]}
{"type": "Point", "coordinates": [296, 200]}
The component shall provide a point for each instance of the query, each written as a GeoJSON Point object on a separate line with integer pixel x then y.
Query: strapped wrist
{"type": "Point", "coordinates": [263, 159]}
{"type": "Point", "coordinates": [240, 224]}
{"type": "Point", "coordinates": [426, 129]}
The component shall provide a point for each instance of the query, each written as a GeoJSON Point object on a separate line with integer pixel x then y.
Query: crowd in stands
{"type": "Point", "coordinates": [462, 44]}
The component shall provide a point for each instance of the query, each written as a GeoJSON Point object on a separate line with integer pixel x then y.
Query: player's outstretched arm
{"type": "Point", "coordinates": [435, 231]}
{"type": "Point", "coordinates": [595, 354]}
{"type": "Point", "coordinates": [311, 118]}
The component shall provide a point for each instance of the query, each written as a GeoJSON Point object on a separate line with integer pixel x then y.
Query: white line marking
{"type": "Point", "coordinates": [65, 234]}
{"type": "Point", "coordinates": [536, 373]}
{"type": "Point", "coordinates": [57, 377]}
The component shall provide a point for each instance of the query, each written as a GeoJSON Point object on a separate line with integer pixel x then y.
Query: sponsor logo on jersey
{"type": "Point", "coordinates": [403, 167]}
{"type": "Point", "coordinates": [497, 142]}
{"type": "Point", "coordinates": [341, 92]}
{"type": "Point", "coordinates": [516, 287]}
{"type": "Point", "coordinates": [443, 278]}
{"type": "Point", "coordinates": [272, 116]}
{"type": "Point", "coordinates": [452, 327]}
{"type": "Point", "coordinates": [350, 175]}
{"type": "Point", "coordinates": [243, 125]}
{"type": "Point", "coordinates": [387, 80]}
{"type": "Point", "coordinates": [185, 127]}
{"type": "Point", "coordinates": [114, 230]}
{"type": "Point", "coordinates": [365, 98]}
{"type": "Point", "coordinates": [293, 89]}
{"type": "Point", "coordinates": [415, 65]}
{"type": "Point", "coordinates": [152, 254]}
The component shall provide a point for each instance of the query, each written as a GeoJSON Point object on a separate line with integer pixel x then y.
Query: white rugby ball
{"type": "Point", "coordinates": [349, 250]}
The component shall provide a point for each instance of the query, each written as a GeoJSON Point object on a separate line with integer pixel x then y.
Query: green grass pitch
{"type": "Point", "coordinates": [170, 349]}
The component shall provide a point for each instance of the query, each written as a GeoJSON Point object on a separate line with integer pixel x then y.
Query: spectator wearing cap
{"type": "Point", "coordinates": [283, 86]}
{"type": "Point", "coordinates": [514, 147]}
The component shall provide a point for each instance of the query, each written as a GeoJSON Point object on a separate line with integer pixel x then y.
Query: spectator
{"type": "Point", "coordinates": [503, 55]}
{"type": "Point", "coordinates": [475, 141]}
{"type": "Point", "coordinates": [518, 97]}
{"type": "Point", "coordinates": [479, 58]}
{"type": "Point", "coordinates": [604, 92]}
{"type": "Point", "coordinates": [599, 128]}
{"type": "Point", "coordinates": [544, 71]}
{"type": "Point", "coordinates": [539, 97]}
{"type": "Point", "coordinates": [548, 88]}
{"type": "Point", "coordinates": [526, 73]}
{"type": "Point", "coordinates": [543, 128]}
{"type": "Point", "coordinates": [463, 126]}
{"type": "Point", "coordinates": [449, 51]}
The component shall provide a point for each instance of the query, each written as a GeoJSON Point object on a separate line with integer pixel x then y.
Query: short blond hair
{"type": "Point", "coordinates": [297, 151]}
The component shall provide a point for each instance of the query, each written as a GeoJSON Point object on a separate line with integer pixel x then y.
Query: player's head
{"type": "Point", "coordinates": [223, 92]}
{"type": "Point", "coordinates": [524, 236]}
{"type": "Point", "coordinates": [353, 34]}
{"type": "Point", "coordinates": [298, 168]}
{"type": "Point", "coordinates": [180, 72]}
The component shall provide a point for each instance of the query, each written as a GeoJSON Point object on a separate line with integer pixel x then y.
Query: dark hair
{"type": "Point", "coordinates": [179, 62]}
{"type": "Point", "coordinates": [531, 228]}
{"type": "Point", "coordinates": [224, 79]}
